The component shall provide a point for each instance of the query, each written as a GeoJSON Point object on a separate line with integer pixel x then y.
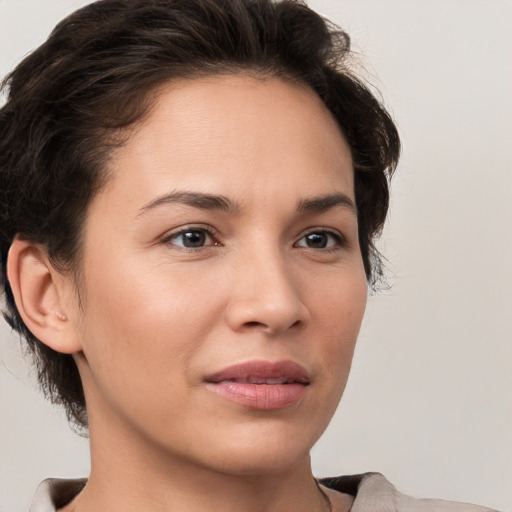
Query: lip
{"type": "Point", "coordinates": [262, 385]}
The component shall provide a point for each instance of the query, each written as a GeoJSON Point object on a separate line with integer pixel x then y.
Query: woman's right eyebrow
{"type": "Point", "coordinates": [196, 200]}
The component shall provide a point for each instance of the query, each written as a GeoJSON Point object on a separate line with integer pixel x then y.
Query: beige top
{"type": "Point", "coordinates": [373, 493]}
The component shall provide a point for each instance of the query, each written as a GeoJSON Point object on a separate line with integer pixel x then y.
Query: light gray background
{"type": "Point", "coordinates": [429, 400]}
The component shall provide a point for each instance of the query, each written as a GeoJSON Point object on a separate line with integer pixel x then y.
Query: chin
{"type": "Point", "coordinates": [265, 462]}
{"type": "Point", "coordinates": [263, 454]}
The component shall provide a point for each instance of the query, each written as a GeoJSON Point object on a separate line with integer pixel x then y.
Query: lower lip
{"type": "Point", "coordinates": [264, 397]}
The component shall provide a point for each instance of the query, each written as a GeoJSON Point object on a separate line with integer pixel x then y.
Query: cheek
{"type": "Point", "coordinates": [336, 315]}
{"type": "Point", "coordinates": [339, 312]}
{"type": "Point", "coordinates": [145, 323]}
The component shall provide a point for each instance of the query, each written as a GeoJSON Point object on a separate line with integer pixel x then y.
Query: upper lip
{"type": "Point", "coordinates": [260, 371]}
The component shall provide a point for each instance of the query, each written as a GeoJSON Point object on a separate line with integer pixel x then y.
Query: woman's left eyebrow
{"type": "Point", "coordinates": [319, 204]}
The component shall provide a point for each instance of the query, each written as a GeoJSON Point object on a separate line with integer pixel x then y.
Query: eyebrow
{"type": "Point", "coordinates": [322, 203]}
{"type": "Point", "coordinates": [194, 199]}
{"type": "Point", "coordinates": [222, 203]}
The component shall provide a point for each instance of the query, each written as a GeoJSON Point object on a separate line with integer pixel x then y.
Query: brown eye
{"type": "Point", "coordinates": [316, 240]}
{"type": "Point", "coordinates": [194, 239]}
{"type": "Point", "coordinates": [320, 240]}
{"type": "Point", "coordinates": [191, 238]}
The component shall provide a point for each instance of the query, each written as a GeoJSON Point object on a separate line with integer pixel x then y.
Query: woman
{"type": "Point", "coordinates": [193, 190]}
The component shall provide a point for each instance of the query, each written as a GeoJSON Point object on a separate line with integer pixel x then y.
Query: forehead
{"type": "Point", "coordinates": [224, 131]}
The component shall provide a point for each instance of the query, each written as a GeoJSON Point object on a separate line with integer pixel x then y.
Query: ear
{"type": "Point", "coordinates": [43, 296]}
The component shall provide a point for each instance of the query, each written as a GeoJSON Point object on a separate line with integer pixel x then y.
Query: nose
{"type": "Point", "coordinates": [266, 297]}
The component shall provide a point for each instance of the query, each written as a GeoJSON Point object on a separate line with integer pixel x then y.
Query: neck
{"type": "Point", "coordinates": [128, 474]}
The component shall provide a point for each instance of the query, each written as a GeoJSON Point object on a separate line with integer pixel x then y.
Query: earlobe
{"type": "Point", "coordinates": [38, 290]}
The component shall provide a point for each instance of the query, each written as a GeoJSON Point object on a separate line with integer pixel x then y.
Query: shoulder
{"type": "Point", "coordinates": [54, 493]}
{"type": "Point", "coordinates": [374, 493]}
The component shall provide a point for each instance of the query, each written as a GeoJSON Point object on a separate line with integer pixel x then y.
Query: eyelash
{"type": "Point", "coordinates": [191, 229]}
{"type": "Point", "coordinates": [341, 241]}
{"type": "Point", "coordinates": [338, 237]}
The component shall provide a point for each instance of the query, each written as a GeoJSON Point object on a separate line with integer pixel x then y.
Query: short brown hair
{"type": "Point", "coordinates": [92, 77]}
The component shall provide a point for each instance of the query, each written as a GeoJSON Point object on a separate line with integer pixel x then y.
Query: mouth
{"type": "Point", "coordinates": [259, 380]}
{"type": "Point", "coordinates": [261, 385]}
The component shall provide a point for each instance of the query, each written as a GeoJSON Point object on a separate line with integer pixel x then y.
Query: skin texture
{"type": "Point", "coordinates": [158, 317]}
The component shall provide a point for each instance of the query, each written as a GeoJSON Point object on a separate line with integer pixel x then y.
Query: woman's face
{"type": "Point", "coordinates": [223, 286]}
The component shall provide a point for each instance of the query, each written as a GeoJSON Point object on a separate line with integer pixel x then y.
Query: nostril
{"type": "Point", "coordinates": [253, 324]}
{"type": "Point", "coordinates": [261, 325]}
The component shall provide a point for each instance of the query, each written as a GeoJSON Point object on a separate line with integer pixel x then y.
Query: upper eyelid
{"type": "Point", "coordinates": [190, 227]}
{"type": "Point", "coordinates": [319, 229]}
{"type": "Point", "coordinates": [184, 229]}
{"type": "Point", "coordinates": [322, 228]}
